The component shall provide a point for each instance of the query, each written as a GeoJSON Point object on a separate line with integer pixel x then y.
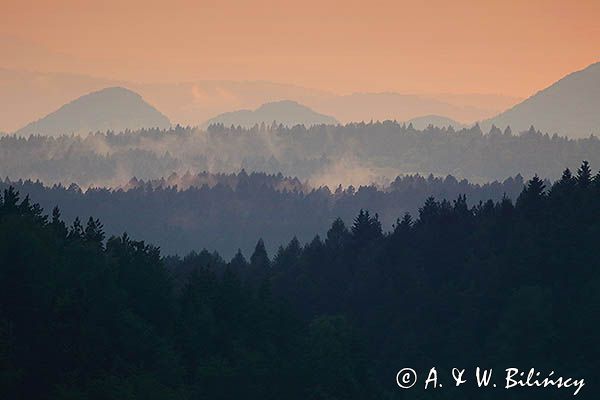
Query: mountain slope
{"type": "Point", "coordinates": [569, 107]}
{"type": "Point", "coordinates": [114, 108]}
{"type": "Point", "coordinates": [284, 112]}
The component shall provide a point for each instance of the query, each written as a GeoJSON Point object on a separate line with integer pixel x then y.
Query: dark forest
{"type": "Point", "coordinates": [227, 212]}
{"type": "Point", "coordinates": [500, 282]}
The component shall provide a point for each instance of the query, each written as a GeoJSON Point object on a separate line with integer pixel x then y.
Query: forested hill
{"type": "Point", "coordinates": [351, 154]}
{"type": "Point", "coordinates": [497, 285]}
{"type": "Point", "coordinates": [225, 212]}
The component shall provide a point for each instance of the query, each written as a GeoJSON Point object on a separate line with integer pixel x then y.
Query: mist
{"type": "Point", "coordinates": [351, 154]}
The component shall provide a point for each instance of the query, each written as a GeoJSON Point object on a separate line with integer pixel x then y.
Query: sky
{"type": "Point", "coordinates": [506, 47]}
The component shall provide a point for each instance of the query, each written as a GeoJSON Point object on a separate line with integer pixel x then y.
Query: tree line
{"type": "Point", "coordinates": [500, 284]}
{"type": "Point", "coordinates": [226, 212]}
{"type": "Point", "coordinates": [322, 154]}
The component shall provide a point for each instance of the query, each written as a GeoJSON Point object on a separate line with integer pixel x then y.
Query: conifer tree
{"type": "Point", "coordinates": [584, 175]}
{"type": "Point", "coordinates": [259, 257]}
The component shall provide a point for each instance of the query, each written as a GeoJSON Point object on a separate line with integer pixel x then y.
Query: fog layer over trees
{"type": "Point", "coordinates": [358, 153]}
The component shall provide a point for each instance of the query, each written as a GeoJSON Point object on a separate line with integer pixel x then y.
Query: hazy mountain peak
{"type": "Point", "coordinates": [285, 112]}
{"type": "Point", "coordinates": [282, 105]}
{"type": "Point", "coordinates": [112, 91]}
{"type": "Point", "coordinates": [568, 107]}
{"type": "Point", "coordinates": [112, 108]}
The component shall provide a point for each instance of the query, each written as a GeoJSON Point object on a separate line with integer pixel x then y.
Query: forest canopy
{"type": "Point", "coordinates": [356, 153]}
{"type": "Point", "coordinates": [227, 212]}
{"type": "Point", "coordinates": [498, 283]}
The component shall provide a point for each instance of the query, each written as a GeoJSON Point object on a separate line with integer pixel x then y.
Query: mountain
{"type": "Point", "coordinates": [114, 108]}
{"type": "Point", "coordinates": [423, 122]}
{"type": "Point", "coordinates": [26, 95]}
{"type": "Point", "coordinates": [284, 112]}
{"type": "Point", "coordinates": [569, 107]}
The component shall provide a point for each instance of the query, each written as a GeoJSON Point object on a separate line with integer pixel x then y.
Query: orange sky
{"type": "Point", "coordinates": [485, 46]}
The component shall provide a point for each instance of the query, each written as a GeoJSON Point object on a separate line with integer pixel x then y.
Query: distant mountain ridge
{"type": "Point", "coordinates": [383, 106]}
{"type": "Point", "coordinates": [285, 112]}
{"type": "Point", "coordinates": [27, 95]}
{"type": "Point", "coordinates": [115, 108]}
{"type": "Point", "coordinates": [570, 106]}
{"type": "Point", "coordinates": [567, 107]}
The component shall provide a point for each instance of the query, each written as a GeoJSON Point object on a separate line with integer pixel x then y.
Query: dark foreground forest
{"type": "Point", "coordinates": [496, 285]}
{"type": "Point", "coordinates": [227, 212]}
